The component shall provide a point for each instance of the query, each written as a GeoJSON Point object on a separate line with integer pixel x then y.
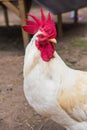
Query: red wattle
{"type": "Point", "coordinates": [47, 51]}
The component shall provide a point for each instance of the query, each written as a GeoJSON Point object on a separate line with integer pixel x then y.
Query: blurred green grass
{"type": "Point", "coordinates": [79, 43]}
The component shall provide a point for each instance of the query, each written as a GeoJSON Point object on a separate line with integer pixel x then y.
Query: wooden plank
{"type": "Point", "coordinates": [11, 6]}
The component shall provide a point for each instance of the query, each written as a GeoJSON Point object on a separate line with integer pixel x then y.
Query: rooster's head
{"type": "Point", "coordinates": [45, 37]}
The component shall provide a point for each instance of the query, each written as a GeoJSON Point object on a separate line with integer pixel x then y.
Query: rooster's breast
{"type": "Point", "coordinates": [40, 91]}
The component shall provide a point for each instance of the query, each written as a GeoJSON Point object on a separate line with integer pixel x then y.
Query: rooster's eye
{"type": "Point", "coordinates": [41, 36]}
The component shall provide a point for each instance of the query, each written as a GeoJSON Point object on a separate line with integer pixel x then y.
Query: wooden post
{"type": "Point", "coordinates": [59, 17]}
{"type": "Point", "coordinates": [10, 6]}
{"type": "Point", "coordinates": [5, 15]}
{"type": "Point", "coordinates": [23, 8]}
{"type": "Point", "coordinates": [76, 17]}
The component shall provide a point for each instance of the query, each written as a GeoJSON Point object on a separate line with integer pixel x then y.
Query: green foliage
{"type": "Point", "coordinates": [80, 43]}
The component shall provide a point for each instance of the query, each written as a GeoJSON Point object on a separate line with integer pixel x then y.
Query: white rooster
{"type": "Point", "coordinates": [53, 89]}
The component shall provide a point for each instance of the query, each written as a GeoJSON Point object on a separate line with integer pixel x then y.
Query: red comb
{"type": "Point", "coordinates": [44, 24]}
{"type": "Point", "coordinates": [42, 15]}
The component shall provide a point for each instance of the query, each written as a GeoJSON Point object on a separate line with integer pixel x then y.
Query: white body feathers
{"type": "Point", "coordinates": [54, 90]}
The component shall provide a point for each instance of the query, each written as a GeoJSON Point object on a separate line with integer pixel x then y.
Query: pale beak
{"type": "Point", "coordinates": [53, 40]}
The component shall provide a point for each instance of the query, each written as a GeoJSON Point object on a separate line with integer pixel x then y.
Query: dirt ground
{"type": "Point", "coordinates": [15, 113]}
